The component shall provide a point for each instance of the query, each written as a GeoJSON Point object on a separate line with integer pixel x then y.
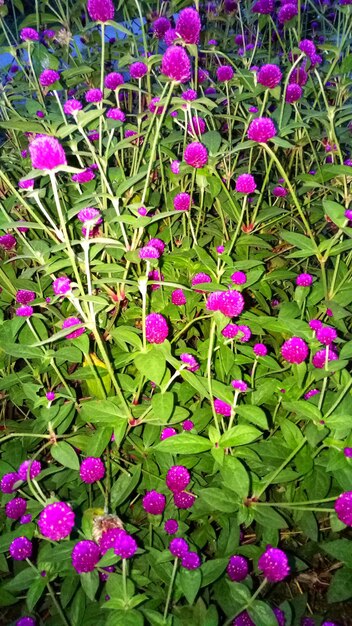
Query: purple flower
{"type": "Point", "coordinates": [261, 129]}
{"type": "Point", "coordinates": [187, 425]}
{"type": "Point", "coordinates": [178, 297]}
{"type": "Point", "coordinates": [224, 73]}
{"type": "Point", "coordinates": [294, 350]}
{"type": "Point", "coordinates": [280, 192]}
{"type": "Point", "coordinates": [263, 7]}
{"type": "Point", "coordinates": [171, 526]}
{"type": "Point", "coordinates": [71, 107]}
{"type": "Point", "coordinates": [167, 432]}
{"type": "Point", "coordinates": [48, 33]}
{"type": "Point", "coordinates": [343, 508]}
{"type": "Point", "coordinates": [245, 333]}
{"type": "Point", "coordinates": [108, 538]}
{"type": "Point", "coordinates": [197, 126]}
{"type": "Point", "coordinates": [125, 546]}
{"type": "Point", "coordinates": [304, 280]}
{"type": "Point", "coordinates": [61, 286]}
{"type": "Point", "coordinates": [73, 321]}
{"type": "Point", "coordinates": [15, 508]}
{"type": "Point", "coordinates": [26, 621]}
{"type": "Point", "coordinates": [274, 564]}
{"type": "Point", "coordinates": [175, 167]}
{"type": "Point", "coordinates": [170, 36]}
{"type": "Point", "coordinates": [113, 80]}
{"type": "Point", "coordinates": [157, 243]}
{"type": "Point", "coordinates": [46, 153]}
{"type": "Point", "coordinates": [50, 396]}
{"type": "Point", "coordinates": [319, 358]}
{"type": "Point", "coordinates": [85, 555]}
{"type": "Point", "coordinates": [100, 10]}
{"type": "Point", "coordinates": [239, 385]}
{"type": "Point", "coordinates": [148, 252]}
{"type": "Point", "coordinates": [245, 183]}
{"type": "Point", "coordinates": [326, 335]}
{"type": "Point", "coordinates": [29, 34]}
{"type": "Point", "coordinates": [49, 77]}
{"type": "Point", "coordinates": [177, 478]}
{"type": "Point", "coordinates": [176, 64]}
{"type": "Point", "coordinates": [155, 275]}
{"type": "Point", "coordinates": [178, 547]}
{"type": "Point", "coordinates": [269, 76]}
{"type": "Point", "coordinates": [183, 500]}
{"type": "Point", "coordinates": [154, 502]}
{"type": "Point", "coordinates": [253, 110]}
{"type": "Point", "coordinates": [142, 211]}
{"type": "Point", "coordinates": [182, 202]}
{"type": "Point", "coordinates": [298, 76]}
{"type": "Point", "coordinates": [7, 241]}
{"type": "Point", "coordinates": [189, 95]}
{"type": "Point", "coordinates": [220, 249]}
{"type": "Point", "coordinates": [153, 106]}
{"type": "Point", "coordinates": [192, 363]}
{"type": "Point", "coordinates": [294, 92]}
{"type": "Point", "coordinates": [222, 408]}
{"type": "Point", "coordinates": [138, 70]}
{"type": "Point", "coordinates": [23, 296]}
{"type": "Point", "coordinates": [24, 311]}
{"type": "Point", "coordinates": [260, 349]}
{"type": "Point", "coordinates": [26, 184]}
{"type": "Point", "coordinates": [93, 95]}
{"type": "Point", "coordinates": [93, 216]}
{"type": "Point", "coordinates": [191, 561]}
{"type": "Point", "coordinates": [160, 26]}
{"type": "Point", "coordinates": [200, 278]}
{"type": "Point", "coordinates": [116, 114]}
{"type": "Point", "coordinates": [311, 393]}
{"type": "Point", "coordinates": [56, 521]}
{"type": "Point", "coordinates": [230, 303]}
{"type": "Point", "coordinates": [188, 25]}
{"type": "Point", "coordinates": [21, 549]}
{"type": "Point", "coordinates": [307, 46]}
{"type": "Point", "coordinates": [156, 328]}
{"type": "Point", "coordinates": [196, 155]}
{"type": "Point", "coordinates": [34, 468]}
{"type": "Point", "coordinates": [230, 331]}
{"type": "Point", "coordinates": [243, 618]}
{"type": "Point", "coordinates": [287, 13]}
{"type": "Point", "coordinates": [239, 278]}
{"type": "Point", "coordinates": [8, 481]}
{"type": "Point", "coordinates": [347, 452]}
{"type": "Point", "coordinates": [91, 470]}
{"type": "Point", "coordinates": [315, 324]}
{"type": "Point", "coordinates": [280, 616]}
{"type": "Point", "coordinates": [237, 568]}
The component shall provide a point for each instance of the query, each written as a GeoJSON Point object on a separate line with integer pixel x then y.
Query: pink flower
{"type": "Point", "coordinates": [7, 241]}
{"type": "Point", "coordinates": [298, 76]}
{"type": "Point", "coordinates": [49, 77]}
{"type": "Point", "coordinates": [237, 568]}
{"type": "Point", "coordinates": [274, 564]}
{"type": "Point", "coordinates": [230, 331]}
{"type": "Point", "coordinates": [260, 349]}
{"type": "Point", "coordinates": [192, 363]}
{"type": "Point", "coordinates": [73, 321]}
{"type": "Point", "coordinates": [149, 252]}
{"type": "Point", "coordinates": [29, 34]}
{"type": "Point", "coordinates": [178, 547]}
{"type": "Point", "coordinates": [157, 243]}
{"type": "Point", "coordinates": [269, 76]}
{"type": "Point", "coordinates": [197, 127]}
{"type": "Point", "coordinates": [200, 278]}
{"type": "Point", "coordinates": [154, 502]}
{"type": "Point", "coordinates": [8, 482]}
{"type": "Point", "coordinates": [188, 25]}
{"type": "Point", "coordinates": [245, 183]}
{"type": "Point", "coordinates": [230, 303]}
{"type": "Point", "coordinates": [182, 202]}
{"type": "Point", "coordinates": [138, 70]}
{"type": "Point", "coordinates": [92, 469]}
{"type": "Point", "coordinates": [294, 350]}
{"type": "Point", "coordinates": [167, 432]}
{"type": "Point", "coordinates": [116, 114]}
{"type": "Point", "coordinates": [293, 93]}
{"type": "Point", "coordinates": [224, 73]}
{"type": "Point", "coordinates": [61, 286]}
{"type": "Point", "coordinates": [263, 7]}
{"type": "Point", "coordinates": [83, 177]}
{"type": "Point", "coordinates": [175, 167]}
{"type": "Point", "coordinates": [280, 192]}
{"type": "Point", "coordinates": [71, 107]}
{"type": "Point", "coordinates": [85, 556]}
{"type": "Point", "coordinates": [100, 10]}
{"type": "Point", "coordinates": [176, 64]}
{"type": "Point", "coordinates": [155, 275]}
{"type": "Point", "coordinates": [183, 500]}
{"type": "Point", "coordinates": [21, 549]}
{"type": "Point", "coordinates": [187, 425]}
{"type": "Point", "coordinates": [245, 333]}
{"type": "Point", "coordinates": [343, 508]}
{"type": "Point", "coordinates": [15, 508]}
{"type": "Point", "coordinates": [287, 13]}
{"type": "Point", "coordinates": [189, 95]}
{"type": "Point", "coordinates": [32, 467]}
{"type": "Point", "coordinates": [239, 278]}
{"type": "Point", "coordinates": [239, 385]}
{"type": "Point", "coordinates": [319, 358]}
{"type": "Point", "coordinates": [191, 561]}
{"type": "Point", "coordinates": [24, 311]}
{"type": "Point", "coordinates": [178, 297]}
{"type": "Point", "coordinates": [170, 36]}
{"type": "Point", "coordinates": [261, 129]}
{"type": "Point", "coordinates": [113, 80]}
{"type": "Point", "coordinates": [196, 155]}
{"type": "Point", "coordinates": [93, 95]}
{"type": "Point", "coordinates": [46, 153]}
{"type": "Point", "coordinates": [125, 546]}
{"type": "Point", "coordinates": [160, 26]}
{"type": "Point", "coordinates": [311, 393]}
{"type": "Point", "coordinates": [304, 280]}
{"type": "Point", "coordinates": [153, 108]}
{"type": "Point", "coordinates": [177, 478]}
{"type": "Point", "coordinates": [26, 184]}
{"type": "Point", "coordinates": [171, 526]}
{"type": "Point", "coordinates": [156, 328]}
{"type": "Point", "coordinates": [56, 521]}
{"type": "Point", "coordinates": [23, 296]}
{"type": "Point", "coordinates": [307, 46]}
{"type": "Point", "coordinates": [222, 408]}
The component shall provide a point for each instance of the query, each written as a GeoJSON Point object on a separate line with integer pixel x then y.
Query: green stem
{"type": "Point", "coordinates": [279, 469]}
{"type": "Point", "coordinates": [169, 593]}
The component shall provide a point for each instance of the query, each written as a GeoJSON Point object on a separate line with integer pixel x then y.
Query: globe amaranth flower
{"type": "Point", "coordinates": [175, 167]}
{"type": "Point", "coordinates": [220, 249]}
{"type": "Point", "coordinates": [73, 321]}
{"type": "Point", "coordinates": [245, 183]}
{"type": "Point", "coordinates": [8, 481]}
{"type": "Point", "coordinates": [319, 358]}
{"type": "Point", "coordinates": [237, 568]}
{"type": "Point", "coordinates": [46, 153]}
{"type": "Point", "coordinates": [155, 275]}
{"type": "Point", "coordinates": [261, 129]}
{"type": "Point", "coordinates": [148, 252]}
{"type": "Point", "coordinates": [200, 278]}
{"type": "Point", "coordinates": [93, 216]}
{"type": "Point", "coordinates": [197, 126]}
{"type": "Point", "coordinates": [191, 561]}
{"type": "Point", "coordinates": [49, 77]}
{"type": "Point", "coordinates": [153, 106]}
{"type": "Point", "coordinates": [243, 619]}
{"type": "Point", "coordinates": [15, 508]}
{"type": "Point", "coordinates": [29, 34]}
{"type": "Point", "coordinates": [93, 95]}
{"type": "Point", "coordinates": [91, 470]}
{"type": "Point", "coordinates": [183, 500]}
{"type": "Point", "coordinates": [154, 502]}
{"type": "Point", "coordinates": [125, 546]}
{"type": "Point", "coordinates": [269, 76]}
{"type": "Point", "coordinates": [187, 425]}
{"type": "Point", "coordinates": [61, 286]}
{"type": "Point", "coordinates": [307, 46]}
{"type": "Point", "coordinates": [104, 576]}
{"type": "Point", "coordinates": [24, 311]}
{"type": "Point", "coordinates": [170, 36]}
{"type": "Point", "coordinates": [178, 297]}
{"type": "Point", "coordinates": [315, 324]}
{"type": "Point", "coordinates": [279, 192]}
{"type": "Point", "coordinates": [157, 243]}
{"type": "Point", "coordinates": [116, 114]}
{"type": "Point", "coordinates": [32, 467]}
{"type": "Point", "coordinates": [178, 547]}
{"type": "Point", "coordinates": [177, 478]}
{"type": "Point", "coordinates": [192, 363]}
{"type": "Point", "coordinates": [298, 76]}
{"type": "Point", "coordinates": [26, 621]}
{"type": "Point", "coordinates": [263, 7]}
{"type": "Point", "coordinates": [156, 328]}
{"type": "Point", "coordinates": [293, 93]}
{"type": "Point", "coordinates": [182, 202]}
{"type": "Point", "coordinates": [176, 64]}
{"type": "Point", "coordinates": [347, 452]}
{"type": "Point", "coordinates": [7, 241]}
{"type": "Point", "coordinates": [230, 303]}
{"type": "Point", "coordinates": [304, 280]}
{"type": "Point", "coordinates": [311, 393]}
{"type": "Point", "coordinates": [21, 548]}
{"type": "Point", "coordinates": [222, 408]}
{"type": "Point", "coordinates": [142, 211]}
{"type": "Point", "coordinates": [239, 385]}
{"type": "Point", "coordinates": [188, 25]}
{"type": "Point", "coordinates": [56, 521]}
{"type": "Point", "coordinates": [230, 331]}
{"type": "Point", "coordinates": [239, 278]}
{"type": "Point", "coordinates": [287, 12]}
{"type": "Point", "coordinates": [108, 538]}
{"type": "Point", "coordinates": [274, 564]}
{"type": "Point", "coordinates": [196, 155]}
{"type": "Point", "coordinates": [280, 616]}
{"type": "Point", "coordinates": [326, 335]}
{"type": "Point", "coordinates": [260, 349]}
{"type": "Point", "coordinates": [224, 73]}
{"type": "Point", "coordinates": [24, 296]}
{"type": "Point", "coordinates": [100, 10]}
{"type": "Point", "coordinates": [85, 555]}
{"type": "Point", "coordinates": [113, 80]}
{"type": "Point", "coordinates": [167, 432]}
{"type": "Point", "coordinates": [160, 26]}
{"type": "Point", "coordinates": [50, 396]}
{"type": "Point", "coordinates": [294, 350]}
{"type": "Point", "coordinates": [171, 526]}
{"type": "Point", "coordinates": [244, 333]}
{"type": "Point", "coordinates": [209, 91]}
{"type": "Point", "coordinates": [189, 95]}
{"type": "Point", "coordinates": [71, 107]}
{"type": "Point", "coordinates": [138, 70]}
{"type": "Point", "coordinates": [343, 508]}
{"type": "Point", "coordinates": [26, 184]}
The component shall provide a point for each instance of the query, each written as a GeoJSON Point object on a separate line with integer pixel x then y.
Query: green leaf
{"type": "Point", "coordinates": [335, 212]}
{"type": "Point", "coordinates": [268, 517]}
{"type": "Point", "coordinates": [63, 453]}
{"type": "Point", "coordinates": [184, 443]}
{"type": "Point", "coordinates": [239, 436]}
{"type": "Point", "coordinates": [190, 581]}
{"type": "Point", "coordinates": [151, 364]}
{"type": "Point", "coordinates": [98, 441]}
{"type": "Point", "coordinates": [90, 583]}
{"type": "Point", "coordinates": [235, 476]}
{"type": "Point", "coordinates": [340, 588]}
{"type": "Point", "coordinates": [131, 617]}
{"type": "Point", "coordinates": [253, 414]}
{"type": "Point", "coordinates": [212, 141]}
{"type": "Point", "coordinates": [35, 592]}
{"type": "Point", "coordinates": [340, 549]}
{"type": "Point", "coordinates": [218, 500]}
{"type": "Point", "coordinates": [261, 613]}
{"type": "Point", "coordinates": [163, 404]}
{"type": "Point", "coordinates": [304, 410]}
{"type": "Point", "coordinates": [300, 241]}
{"type": "Point", "coordinates": [21, 351]}
{"type": "Point", "coordinates": [124, 485]}
{"type": "Point", "coordinates": [6, 598]}
{"type": "Point", "coordinates": [212, 570]}
{"type": "Point", "coordinates": [101, 412]}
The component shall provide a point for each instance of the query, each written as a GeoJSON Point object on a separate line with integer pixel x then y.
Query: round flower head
{"type": "Point", "coordinates": [294, 93]}
{"type": "Point", "coordinates": [315, 324]}
{"type": "Point", "coordinates": [239, 278]}
{"type": "Point", "coordinates": [73, 321]}
{"type": "Point", "coordinates": [92, 469]}
{"type": "Point", "coordinates": [29, 34]}
{"type": "Point", "coordinates": [326, 335]}
{"type": "Point", "coordinates": [153, 106]}
{"type": "Point", "coordinates": [8, 481]}
{"type": "Point", "coordinates": [7, 241]}
{"type": "Point", "coordinates": [237, 568]}
{"type": "Point", "coordinates": [170, 36]}
{"type": "Point", "coordinates": [231, 303]}
{"type": "Point", "coordinates": [49, 77]}
{"type": "Point", "coordinates": [100, 10]}
{"type": "Point", "coordinates": [125, 546]}
{"type": "Point", "coordinates": [156, 328]}
{"type": "Point", "coordinates": [280, 616]}
{"type": "Point", "coordinates": [343, 508]}
{"type": "Point", "coordinates": [61, 286]}
{"type": "Point", "coordinates": [154, 502]}
{"type": "Point", "coordinates": [46, 153]}
{"type": "Point", "coordinates": [183, 500]}
{"type": "Point", "coordinates": [294, 350]}
{"type": "Point", "coordinates": [192, 363]}
{"type": "Point", "coordinates": [261, 129]}
{"type": "Point", "coordinates": [307, 621]}
{"type": "Point", "coordinates": [26, 621]}
{"type": "Point", "coordinates": [142, 211]}
{"type": "Point", "coordinates": [32, 467]}
{"type": "Point", "coordinates": [191, 561]}
{"type": "Point", "coordinates": [260, 349]}
{"type": "Point", "coordinates": [176, 65]}
{"type": "Point", "coordinates": [116, 114]}
{"type": "Point", "coordinates": [200, 278]}
{"type": "Point", "coordinates": [171, 526]}
{"type": "Point", "coordinates": [347, 452]}
{"type": "Point", "coordinates": [239, 385]}
{"type": "Point", "coordinates": [56, 521]}
{"type": "Point", "coordinates": [224, 73]}
{"type": "Point", "coordinates": [319, 358]}
{"type": "Point", "coordinates": [187, 425]}
{"type": "Point", "coordinates": [93, 95]}
{"type": "Point", "coordinates": [279, 192]}
{"type": "Point", "coordinates": [138, 69]}
{"type": "Point", "coordinates": [196, 155]}
{"type": "Point", "coordinates": [50, 396]}
{"type": "Point", "coordinates": [113, 80]}
{"type": "Point", "coordinates": [108, 538]}
{"type": "Point", "coordinates": [175, 167]}
{"type": "Point", "coordinates": [21, 549]}
{"type": "Point", "coordinates": [304, 280]}
{"type": "Point", "coordinates": [177, 478]}
{"type": "Point", "coordinates": [178, 297]}
{"type": "Point", "coordinates": [230, 331]}
{"type": "Point", "coordinates": [222, 408]}
{"type": "Point", "coordinates": [85, 555]}
{"type": "Point", "coordinates": [23, 296]}
{"type": "Point", "coordinates": [269, 76]}
{"type": "Point", "coordinates": [307, 46]}
{"type": "Point", "coordinates": [245, 183]}
{"type": "Point", "coordinates": [167, 432]}
{"type": "Point", "coordinates": [26, 184]}
{"type": "Point", "coordinates": [90, 215]}
{"type": "Point", "coordinates": [24, 311]}
{"type": "Point", "coordinates": [188, 25]}
{"type": "Point", "coordinates": [182, 202]}
{"type": "Point", "coordinates": [243, 618]}
{"type": "Point", "coordinates": [71, 107]}
{"type": "Point", "coordinates": [311, 393]}
{"type": "Point", "coordinates": [287, 13]}
{"type": "Point", "coordinates": [298, 76]}
{"type": "Point", "coordinates": [274, 564]}
{"type": "Point", "coordinates": [189, 95]}
{"type": "Point", "coordinates": [178, 547]}
{"type": "Point", "coordinates": [155, 275]}
{"type": "Point", "coordinates": [197, 126]}
{"type": "Point", "coordinates": [160, 26]}
{"type": "Point", "coordinates": [149, 252]}
{"type": "Point", "coordinates": [15, 508]}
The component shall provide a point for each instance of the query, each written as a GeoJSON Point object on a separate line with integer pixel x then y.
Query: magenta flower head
{"type": "Point", "coordinates": [197, 126]}
{"type": "Point", "coordinates": [15, 508]}
{"type": "Point", "coordinates": [343, 508]}
{"type": "Point", "coordinates": [21, 549]}
{"type": "Point", "coordinates": [347, 452]}
{"type": "Point", "coordinates": [280, 616]}
{"type": "Point", "coordinates": [138, 69]}
{"type": "Point", "coordinates": [261, 129]}
{"type": "Point", "coordinates": [73, 321]}
{"type": "Point", "coordinates": [154, 502]}
{"type": "Point", "coordinates": [274, 564]}
{"type": "Point", "coordinates": [49, 77]}
{"type": "Point", "coordinates": [244, 333]}
{"type": "Point", "coordinates": [61, 286]}
{"type": "Point", "coordinates": [56, 521]}
{"type": "Point", "coordinates": [167, 432]}
{"type": "Point", "coordinates": [294, 93]}
{"type": "Point", "coordinates": [237, 568]}
{"type": "Point", "coordinates": [294, 350]}
{"type": "Point", "coordinates": [177, 478]}
{"type": "Point", "coordinates": [160, 26]}
{"type": "Point", "coordinates": [311, 393]}
{"type": "Point", "coordinates": [263, 7]}
{"type": "Point", "coordinates": [239, 385]}
{"type": "Point", "coordinates": [196, 155]}
{"type": "Point", "coordinates": [231, 303]}
{"type": "Point", "coordinates": [157, 243]}
{"type": "Point", "coordinates": [89, 216]}
{"type": "Point", "coordinates": [315, 324]}
{"type": "Point", "coordinates": [149, 252]}
{"type": "Point", "coordinates": [189, 95]}
{"type": "Point", "coordinates": [24, 311]}
{"type": "Point", "coordinates": [224, 73]}
{"type": "Point", "coordinates": [113, 80]}
{"type": "Point", "coordinates": [239, 278]}
{"type": "Point", "coordinates": [243, 618]}
{"type": "Point", "coordinates": [92, 469]}
{"type": "Point", "coordinates": [8, 481]}
{"type": "Point", "coordinates": [200, 278]}
{"type": "Point", "coordinates": [170, 36]}
{"type": "Point", "coordinates": [23, 296]}
{"type": "Point", "coordinates": [182, 202]}
{"type": "Point", "coordinates": [245, 183]}
{"type": "Point", "coordinates": [187, 425]}
{"type": "Point", "coordinates": [26, 621]}
{"type": "Point", "coordinates": [93, 95]}
{"type": "Point", "coordinates": [307, 46]}
{"type": "Point", "coordinates": [156, 328]}
{"type": "Point", "coordinates": [26, 184]}
{"type": "Point", "coordinates": [304, 280]}
{"type": "Point", "coordinates": [125, 546]}
{"type": "Point", "coordinates": [29, 34]}
{"type": "Point", "coordinates": [178, 547]}
{"type": "Point", "coordinates": [85, 555]}
{"type": "Point", "coordinates": [188, 25]}
{"type": "Point", "coordinates": [178, 297]}
{"type": "Point", "coordinates": [319, 358]}
{"type": "Point", "coordinates": [7, 241]}
{"type": "Point", "coordinates": [326, 335]}
{"type": "Point", "coordinates": [191, 561]}
{"type": "Point", "coordinates": [287, 13]}
{"type": "Point", "coordinates": [100, 10]}
{"type": "Point", "coordinates": [108, 538]}
{"type": "Point", "coordinates": [153, 106]}
{"type": "Point", "coordinates": [279, 192]}
{"type": "Point", "coordinates": [33, 468]}
{"type": "Point", "coordinates": [183, 500]}
{"type": "Point", "coordinates": [222, 408]}
{"type": "Point", "coordinates": [171, 526]}
{"type": "Point", "coordinates": [50, 396]}
{"type": "Point", "coordinates": [230, 331]}
{"type": "Point", "coordinates": [269, 76]}
{"type": "Point", "coordinates": [176, 64]}
{"type": "Point", "coordinates": [175, 167]}
{"type": "Point", "coordinates": [260, 349]}
{"type": "Point", "coordinates": [192, 363]}
{"type": "Point", "coordinates": [298, 76]}
{"type": "Point", "coordinates": [46, 153]}
{"type": "Point", "coordinates": [71, 107]}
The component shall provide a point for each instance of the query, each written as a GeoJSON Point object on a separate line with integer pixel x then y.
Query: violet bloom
{"type": "Point", "coordinates": [196, 155]}
{"type": "Point", "coordinates": [269, 76]}
{"type": "Point", "coordinates": [177, 478]}
{"type": "Point", "coordinates": [71, 107]}
{"type": "Point", "coordinates": [56, 521]}
{"type": "Point", "coordinates": [7, 242]}
{"type": "Point", "coordinates": [343, 508]}
{"type": "Point", "coordinates": [178, 297]}
{"type": "Point", "coordinates": [21, 549]}
{"type": "Point", "coordinates": [171, 526]}
{"type": "Point", "coordinates": [197, 126]}
{"type": "Point", "coordinates": [263, 7]}
{"type": "Point", "coordinates": [157, 243]}
{"type": "Point", "coordinates": [326, 335]}
{"type": "Point", "coordinates": [243, 618]}
{"type": "Point", "coordinates": [192, 363]}
{"type": "Point", "coordinates": [178, 547]}
{"type": "Point", "coordinates": [175, 167]}
{"type": "Point", "coordinates": [319, 358]}
{"type": "Point", "coordinates": [170, 36]}
{"type": "Point", "coordinates": [153, 108]}
{"type": "Point", "coordinates": [239, 385]}
{"type": "Point", "coordinates": [307, 46]}
{"type": "Point", "coordinates": [274, 564]}
{"type": "Point", "coordinates": [155, 275]}
{"type": "Point", "coordinates": [239, 278]}
{"type": "Point", "coordinates": [167, 432]}
{"type": "Point", "coordinates": [294, 350]}
{"type": "Point", "coordinates": [304, 280]}
{"type": "Point", "coordinates": [93, 95]}
{"type": "Point", "coordinates": [176, 64]}
{"type": "Point", "coordinates": [298, 76]}
{"type": "Point", "coordinates": [138, 70]}
{"type": "Point", "coordinates": [73, 321]}
{"type": "Point", "coordinates": [61, 286]}
{"type": "Point", "coordinates": [183, 500]}
{"type": "Point", "coordinates": [280, 616]}
{"type": "Point", "coordinates": [287, 13]}
{"type": "Point", "coordinates": [156, 328]}
{"type": "Point", "coordinates": [279, 192]}
{"type": "Point", "coordinates": [245, 333]}
{"type": "Point", "coordinates": [24, 311]}
{"type": "Point", "coordinates": [125, 546]}
{"type": "Point", "coordinates": [260, 349]}
{"type": "Point", "coordinates": [33, 467]}
{"type": "Point", "coordinates": [26, 184]}
{"type": "Point", "coordinates": [294, 93]}
{"type": "Point", "coordinates": [149, 252]}
{"type": "Point", "coordinates": [230, 331]}
{"type": "Point", "coordinates": [91, 470]}
{"type": "Point", "coordinates": [24, 296]}
{"type": "Point", "coordinates": [200, 278]}
{"type": "Point", "coordinates": [154, 502]}
{"type": "Point", "coordinates": [191, 561]}
{"type": "Point", "coordinates": [222, 408]}
{"type": "Point", "coordinates": [15, 508]}
{"type": "Point", "coordinates": [85, 556]}
{"type": "Point", "coordinates": [311, 393]}
{"type": "Point", "coordinates": [182, 202]}
{"type": "Point", "coordinates": [224, 73]}
{"type": "Point", "coordinates": [188, 25]}
{"type": "Point", "coordinates": [100, 10]}
{"type": "Point", "coordinates": [237, 568]}
{"type": "Point", "coordinates": [108, 538]}
{"type": "Point", "coordinates": [8, 482]}
{"type": "Point", "coordinates": [89, 215]}
{"type": "Point", "coordinates": [29, 34]}
{"type": "Point", "coordinates": [230, 303]}
{"type": "Point", "coordinates": [203, 75]}
{"type": "Point", "coordinates": [46, 153]}
{"type": "Point", "coordinates": [48, 78]}
{"type": "Point", "coordinates": [50, 396]}
{"type": "Point", "coordinates": [187, 425]}
{"type": "Point", "coordinates": [113, 80]}
{"type": "Point", "coordinates": [160, 26]}
{"type": "Point", "coordinates": [261, 129]}
{"type": "Point", "coordinates": [245, 183]}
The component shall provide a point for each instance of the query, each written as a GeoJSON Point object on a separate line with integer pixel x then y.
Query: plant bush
{"type": "Point", "coordinates": [176, 313]}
